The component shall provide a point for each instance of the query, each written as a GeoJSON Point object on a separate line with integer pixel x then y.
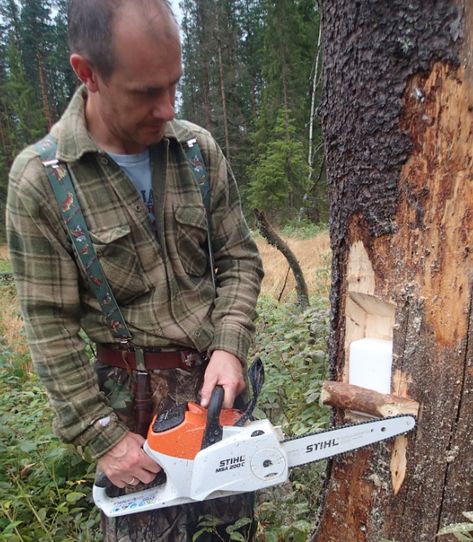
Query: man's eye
{"type": "Point", "coordinates": [146, 93]}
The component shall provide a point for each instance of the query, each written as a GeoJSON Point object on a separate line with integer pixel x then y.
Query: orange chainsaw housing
{"type": "Point", "coordinates": [185, 440]}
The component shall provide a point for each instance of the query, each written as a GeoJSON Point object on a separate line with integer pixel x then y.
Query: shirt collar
{"type": "Point", "coordinates": [74, 140]}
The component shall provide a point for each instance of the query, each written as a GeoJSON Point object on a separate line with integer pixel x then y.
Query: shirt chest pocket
{"type": "Point", "coordinates": [117, 255]}
{"type": "Point", "coordinates": [191, 238]}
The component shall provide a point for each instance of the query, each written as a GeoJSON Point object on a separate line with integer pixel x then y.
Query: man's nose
{"type": "Point", "coordinates": [163, 108]}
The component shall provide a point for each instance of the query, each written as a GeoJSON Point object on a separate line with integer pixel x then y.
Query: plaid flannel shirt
{"type": "Point", "coordinates": [162, 283]}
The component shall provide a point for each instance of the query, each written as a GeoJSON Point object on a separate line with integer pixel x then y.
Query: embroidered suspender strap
{"type": "Point", "coordinates": [196, 161]}
{"type": "Point", "coordinates": [66, 197]}
{"type": "Point", "coordinates": [201, 176]}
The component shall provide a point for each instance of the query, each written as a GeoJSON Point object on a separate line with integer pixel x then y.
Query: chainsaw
{"type": "Point", "coordinates": [207, 454]}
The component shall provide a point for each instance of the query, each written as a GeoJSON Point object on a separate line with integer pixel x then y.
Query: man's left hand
{"type": "Point", "coordinates": [224, 369]}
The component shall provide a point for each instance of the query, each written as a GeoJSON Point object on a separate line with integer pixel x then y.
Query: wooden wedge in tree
{"type": "Point", "coordinates": [397, 116]}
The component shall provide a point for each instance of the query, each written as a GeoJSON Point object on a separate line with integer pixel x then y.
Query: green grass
{"type": "Point", "coordinates": [5, 266]}
{"type": "Point", "coordinates": [293, 347]}
{"type": "Point", "coordinates": [44, 486]}
{"type": "Point", "coordinates": [303, 229]}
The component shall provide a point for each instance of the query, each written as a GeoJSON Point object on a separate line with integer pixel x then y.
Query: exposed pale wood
{"type": "Point", "coordinates": [398, 463]}
{"type": "Point", "coordinates": [360, 273]}
{"type": "Point", "coordinates": [366, 314]}
{"type": "Point", "coordinates": [355, 398]}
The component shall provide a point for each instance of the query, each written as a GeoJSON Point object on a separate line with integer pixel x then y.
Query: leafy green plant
{"type": "Point", "coordinates": [44, 486]}
{"type": "Point", "coordinates": [461, 531]}
{"type": "Point", "coordinates": [280, 169]}
{"type": "Point", "coordinates": [5, 266]}
{"type": "Point", "coordinates": [287, 512]}
{"type": "Point", "coordinates": [293, 347]}
{"type": "Point", "coordinates": [209, 525]}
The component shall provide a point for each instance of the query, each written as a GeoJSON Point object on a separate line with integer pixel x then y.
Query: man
{"type": "Point", "coordinates": [121, 145]}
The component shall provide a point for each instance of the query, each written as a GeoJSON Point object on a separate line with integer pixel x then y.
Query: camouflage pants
{"type": "Point", "coordinates": [176, 523]}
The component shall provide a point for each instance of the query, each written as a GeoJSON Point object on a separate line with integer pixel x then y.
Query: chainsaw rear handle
{"type": "Point", "coordinates": [213, 430]}
{"type": "Point", "coordinates": [101, 480]}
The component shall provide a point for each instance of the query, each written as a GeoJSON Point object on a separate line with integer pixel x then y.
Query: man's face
{"type": "Point", "coordinates": [137, 100]}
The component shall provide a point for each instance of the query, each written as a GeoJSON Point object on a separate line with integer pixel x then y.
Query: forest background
{"type": "Point", "coordinates": [251, 76]}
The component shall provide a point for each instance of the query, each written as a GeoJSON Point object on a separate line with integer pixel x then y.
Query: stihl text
{"type": "Point", "coordinates": [231, 463]}
{"type": "Point", "coordinates": [321, 445]}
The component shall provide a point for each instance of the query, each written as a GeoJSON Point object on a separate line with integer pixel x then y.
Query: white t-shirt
{"type": "Point", "coordinates": [138, 169]}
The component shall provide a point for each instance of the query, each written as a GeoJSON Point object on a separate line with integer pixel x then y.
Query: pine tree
{"type": "Point", "coordinates": [213, 89]}
{"type": "Point", "coordinates": [27, 120]}
{"type": "Point", "coordinates": [36, 43]}
{"type": "Point", "coordinates": [285, 99]}
{"type": "Point", "coordinates": [278, 179]}
{"type": "Point", "coordinates": [197, 59]}
{"type": "Point", "coordinates": [63, 81]}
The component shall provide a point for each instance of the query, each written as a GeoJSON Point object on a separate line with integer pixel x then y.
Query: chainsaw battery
{"type": "Point", "coordinates": [179, 432]}
{"type": "Point", "coordinates": [169, 418]}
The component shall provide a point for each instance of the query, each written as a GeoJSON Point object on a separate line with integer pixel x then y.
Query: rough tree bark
{"type": "Point", "coordinates": [397, 116]}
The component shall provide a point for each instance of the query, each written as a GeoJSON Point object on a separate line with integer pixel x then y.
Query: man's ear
{"type": "Point", "coordinates": [84, 71]}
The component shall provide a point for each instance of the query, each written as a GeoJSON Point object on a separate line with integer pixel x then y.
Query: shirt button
{"type": "Point", "coordinates": [104, 160]}
{"type": "Point", "coordinates": [139, 208]}
{"type": "Point", "coordinates": [197, 333]}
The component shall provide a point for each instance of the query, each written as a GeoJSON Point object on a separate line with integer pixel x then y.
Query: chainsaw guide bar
{"type": "Point", "coordinates": [312, 447]}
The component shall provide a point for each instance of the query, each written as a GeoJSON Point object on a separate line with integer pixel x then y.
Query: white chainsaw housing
{"type": "Point", "coordinates": [246, 459]}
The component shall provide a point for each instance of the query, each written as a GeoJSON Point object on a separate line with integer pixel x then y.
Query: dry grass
{"type": "Point", "coordinates": [314, 258]}
{"type": "Point", "coordinates": [11, 323]}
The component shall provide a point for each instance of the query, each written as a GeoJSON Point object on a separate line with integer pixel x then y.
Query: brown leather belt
{"type": "Point", "coordinates": [125, 359]}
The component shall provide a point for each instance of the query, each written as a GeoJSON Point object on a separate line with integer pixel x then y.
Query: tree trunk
{"type": "Point", "coordinates": [275, 240]}
{"type": "Point", "coordinates": [397, 116]}
{"type": "Point", "coordinates": [44, 92]}
{"type": "Point", "coordinates": [315, 82]}
{"type": "Point", "coordinates": [204, 64]}
{"type": "Point", "coordinates": [223, 94]}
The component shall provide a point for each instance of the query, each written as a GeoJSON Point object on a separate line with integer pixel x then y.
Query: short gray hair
{"type": "Point", "coordinates": [90, 26]}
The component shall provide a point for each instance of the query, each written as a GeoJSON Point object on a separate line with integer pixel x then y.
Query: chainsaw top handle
{"type": "Point", "coordinates": [213, 430]}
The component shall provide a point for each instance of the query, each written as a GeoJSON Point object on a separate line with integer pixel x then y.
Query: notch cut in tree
{"type": "Point", "coordinates": [397, 115]}
{"type": "Point", "coordinates": [275, 240]}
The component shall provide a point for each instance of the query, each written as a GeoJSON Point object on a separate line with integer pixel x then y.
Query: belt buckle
{"type": "Point", "coordinates": [192, 359]}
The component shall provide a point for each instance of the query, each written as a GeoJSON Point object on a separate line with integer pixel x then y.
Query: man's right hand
{"type": "Point", "coordinates": [127, 464]}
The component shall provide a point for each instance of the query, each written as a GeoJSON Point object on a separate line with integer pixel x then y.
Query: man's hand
{"type": "Point", "coordinates": [224, 369]}
{"type": "Point", "coordinates": [127, 464]}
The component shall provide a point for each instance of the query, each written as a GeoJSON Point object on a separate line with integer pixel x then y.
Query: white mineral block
{"type": "Point", "coordinates": [370, 362]}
